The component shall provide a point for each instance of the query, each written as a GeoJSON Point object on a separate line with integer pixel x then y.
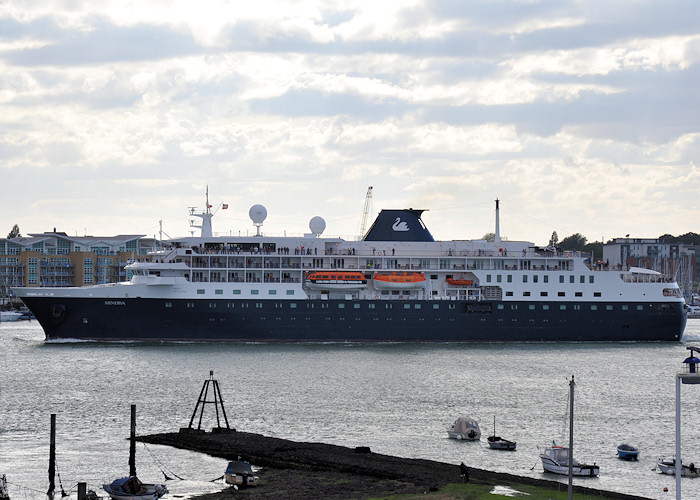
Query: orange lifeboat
{"type": "Point", "coordinates": [399, 281]}
{"type": "Point", "coordinates": [459, 282]}
{"type": "Point", "coordinates": [336, 280]}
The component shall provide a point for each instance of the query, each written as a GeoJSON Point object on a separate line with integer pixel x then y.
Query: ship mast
{"type": "Point", "coordinates": [497, 235]}
{"type": "Point", "coordinates": [206, 216]}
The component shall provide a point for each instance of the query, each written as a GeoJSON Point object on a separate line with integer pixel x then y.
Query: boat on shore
{"type": "Point", "coordinates": [627, 452]}
{"type": "Point", "coordinates": [240, 473]}
{"type": "Point", "coordinates": [324, 289]}
{"type": "Point", "coordinates": [131, 488]}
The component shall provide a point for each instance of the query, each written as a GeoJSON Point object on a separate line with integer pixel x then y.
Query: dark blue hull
{"type": "Point", "coordinates": [354, 321]}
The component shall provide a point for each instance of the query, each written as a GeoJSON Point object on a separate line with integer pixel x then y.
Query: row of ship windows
{"type": "Point", "coordinates": [272, 291]}
{"type": "Point", "coordinates": [536, 278]}
{"type": "Point", "coordinates": [559, 294]}
{"type": "Point", "coordinates": [372, 305]}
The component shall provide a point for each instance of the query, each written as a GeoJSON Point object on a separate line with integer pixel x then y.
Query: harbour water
{"type": "Point", "coordinates": [398, 399]}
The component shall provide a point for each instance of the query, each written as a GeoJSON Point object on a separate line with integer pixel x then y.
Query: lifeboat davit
{"type": "Point", "coordinates": [399, 281]}
{"type": "Point", "coordinates": [336, 280]}
{"type": "Point", "coordinates": [459, 282]}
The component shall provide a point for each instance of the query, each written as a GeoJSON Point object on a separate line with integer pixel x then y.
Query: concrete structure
{"type": "Point", "coordinates": [672, 259]}
{"type": "Point", "coordinates": [56, 259]}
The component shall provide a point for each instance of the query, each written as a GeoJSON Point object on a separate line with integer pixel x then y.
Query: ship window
{"type": "Point", "coordinates": [544, 294]}
{"type": "Point", "coordinates": [498, 278]}
{"type": "Point", "coordinates": [509, 294]}
{"type": "Point", "coordinates": [546, 278]}
{"type": "Point", "coordinates": [407, 306]}
{"type": "Point", "coordinates": [371, 305]}
{"type": "Point", "coordinates": [625, 307]}
{"type": "Point", "coordinates": [255, 292]}
{"type": "Point", "coordinates": [500, 306]}
{"type": "Point", "coordinates": [526, 294]}
{"type": "Point", "coordinates": [582, 279]}
{"type": "Point", "coordinates": [596, 294]}
{"type": "Point", "coordinates": [488, 278]}
{"type": "Point", "coordinates": [561, 278]}
{"type": "Point", "coordinates": [341, 306]}
{"type": "Point", "coordinates": [545, 307]}
{"type": "Point", "coordinates": [561, 294]}
{"type": "Point", "coordinates": [535, 278]}
{"type": "Point", "coordinates": [562, 307]}
{"type": "Point", "coordinates": [510, 278]}
{"type": "Point", "coordinates": [258, 305]}
{"type": "Point", "coordinates": [571, 279]}
{"type": "Point", "coordinates": [290, 292]}
{"type": "Point", "coordinates": [524, 278]}
{"type": "Point", "coordinates": [436, 306]}
{"type": "Point", "coordinates": [433, 276]}
{"type": "Point", "coordinates": [200, 291]}
{"type": "Point", "coordinates": [451, 306]}
{"type": "Point", "coordinates": [608, 307]}
{"type": "Point", "coordinates": [387, 306]}
{"type": "Point", "coordinates": [190, 305]}
{"type": "Point", "coordinates": [577, 307]}
{"type": "Point", "coordinates": [212, 305]}
{"type": "Point", "coordinates": [514, 306]}
{"type": "Point", "coordinates": [531, 307]}
{"type": "Point", "coordinates": [168, 304]}
{"type": "Point", "coordinates": [594, 307]}
{"type": "Point", "coordinates": [324, 306]}
{"type": "Point", "coordinates": [590, 279]}
{"type": "Point", "coordinates": [292, 305]}
{"type": "Point", "coordinates": [640, 307]}
{"type": "Point", "coordinates": [219, 292]}
{"type": "Point", "coordinates": [357, 305]}
{"type": "Point", "coordinates": [236, 291]}
{"type": "Point", "coordinates": [272, 292]}
{"type": "Point", "coordinates": [579, 294]}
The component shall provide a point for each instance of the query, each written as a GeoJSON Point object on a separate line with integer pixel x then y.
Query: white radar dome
{"type": "Point", "coordinates": [257, 214]}
{"type": "Point", "coordinates": [317, 225]}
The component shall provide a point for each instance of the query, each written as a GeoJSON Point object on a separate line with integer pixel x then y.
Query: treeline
{"type": "Point", "coordinates": [580, 243]}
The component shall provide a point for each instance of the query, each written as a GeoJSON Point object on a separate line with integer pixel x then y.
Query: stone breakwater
{"type": "Point", "coordinates": [315, 470]}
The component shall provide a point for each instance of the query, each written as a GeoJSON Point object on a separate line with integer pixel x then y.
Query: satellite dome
{"type": "Point", "coordinates": [257, 214]}
{"type": "Point", "coordinates": [317, 225]}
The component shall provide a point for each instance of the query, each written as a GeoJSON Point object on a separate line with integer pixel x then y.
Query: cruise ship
{"type": "Point", "coordinates": [396, 284]}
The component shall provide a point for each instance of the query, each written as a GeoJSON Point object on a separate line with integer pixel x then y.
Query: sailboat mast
{"type": "Point", "coordinates": [571, 437]}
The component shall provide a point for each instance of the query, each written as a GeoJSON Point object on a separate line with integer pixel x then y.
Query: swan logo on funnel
{"type": "Point", "coordinates": [399, 226]}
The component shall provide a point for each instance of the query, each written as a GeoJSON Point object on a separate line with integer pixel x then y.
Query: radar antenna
{"type": "Point", "coordinates": [365, 212]}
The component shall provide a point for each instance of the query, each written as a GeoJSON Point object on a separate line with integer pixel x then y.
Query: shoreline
{"type": "Point", "coordinates": [291, 469]}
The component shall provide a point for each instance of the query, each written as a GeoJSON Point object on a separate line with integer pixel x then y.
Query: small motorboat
{"type": "Point", "coordinates": [240, 473]}
{"type": "Point", "coordinates": [7, 316]}
{"type": "Point", "coordinates": [465, 428]}
{"type": "Point", "coordinates": [498, 443]}
{"type": "Point", "coordinates": [627, 452]}
{"type": "Point", "coordinates": [131, 488]}
{"type": "Point", "coordinates": [668, 466]}
{"type": "Point", "coordinates": [555, 459]}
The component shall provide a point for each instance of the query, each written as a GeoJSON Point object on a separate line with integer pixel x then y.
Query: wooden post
{"type": "Point", "coordinates": [82, 491]}
{"type": "Point", "coordinates": [132, 443]}
{"type": "Point", "coordinates": [52, 457]}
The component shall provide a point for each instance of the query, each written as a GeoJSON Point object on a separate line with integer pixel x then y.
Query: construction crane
{"type": "Point", "coordinates": [368, 203]}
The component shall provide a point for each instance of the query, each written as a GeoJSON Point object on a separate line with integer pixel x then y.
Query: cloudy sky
{"type": "Point", "coordinates": [581, 116]}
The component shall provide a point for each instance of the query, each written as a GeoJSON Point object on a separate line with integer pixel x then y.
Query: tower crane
{"type": "Point", "coordinates": [368, 203]}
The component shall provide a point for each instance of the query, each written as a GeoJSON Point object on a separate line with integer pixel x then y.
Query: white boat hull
{"type": "Point", "coordinates": [668, 467]}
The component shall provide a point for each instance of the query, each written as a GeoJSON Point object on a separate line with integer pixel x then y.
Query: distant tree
{"type": "Point", "coordinates": [554, 240]}
{"type": "Point", "coordinates": [14, 233]}
{"type": "Point", "coordinates": [489, 237]}
{"type": "Point", "coordinates": [574, 242]}
{"type": "Point", "coordinates": [685, 239]}
{"type": "Point", "coordinates": [595, 248]}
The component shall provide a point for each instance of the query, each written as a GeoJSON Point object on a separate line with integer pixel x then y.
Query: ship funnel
{"type": "Point", "coordinates": [399, 225]}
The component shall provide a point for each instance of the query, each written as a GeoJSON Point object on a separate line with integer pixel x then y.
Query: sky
{"type": "Point", "coordinates": [580, 116]}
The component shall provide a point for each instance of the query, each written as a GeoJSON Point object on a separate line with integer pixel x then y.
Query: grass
{"type": "Point", "coordinates": [476, 491]}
